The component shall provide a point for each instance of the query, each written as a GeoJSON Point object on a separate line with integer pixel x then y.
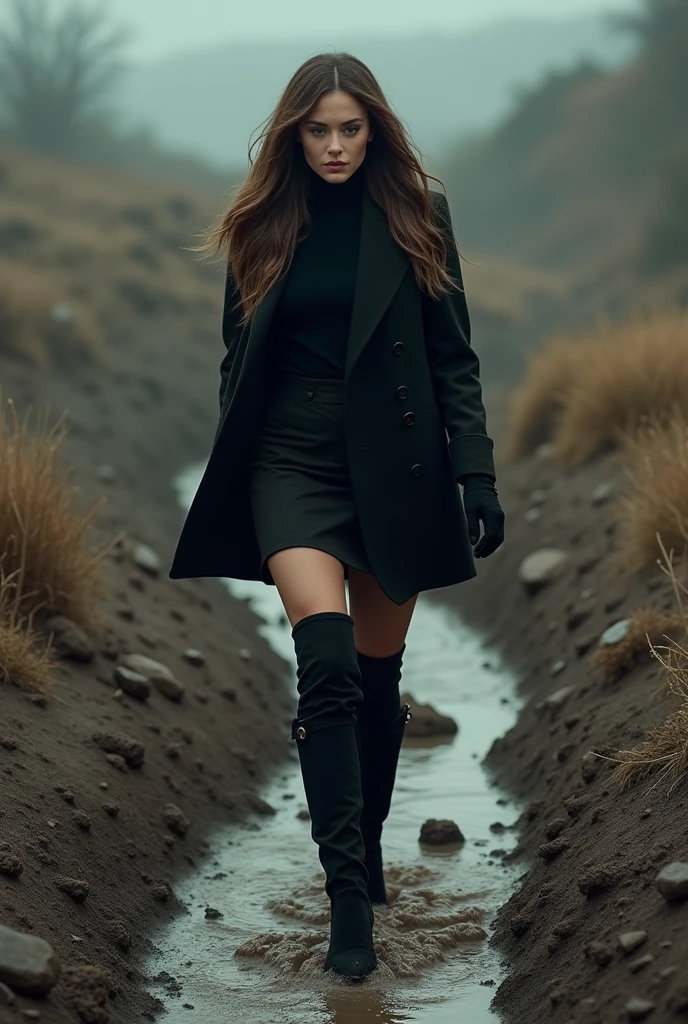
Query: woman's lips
{"type": "Point", "coordinates": [336, 164]}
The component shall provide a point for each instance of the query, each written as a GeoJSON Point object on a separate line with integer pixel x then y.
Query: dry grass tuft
{"type": "Point", "coordinates": [665, 749]}
{"type": "Point", "coordinates": [43, 546]}
{"type": "Point", "coordinates": [20, 661]}
{"type": "Point", "coordinates": [612, 662]}
{"type": "Point", "coordinates": [657, 501]}
{"type": "Point", "coordinates": [584, 392]}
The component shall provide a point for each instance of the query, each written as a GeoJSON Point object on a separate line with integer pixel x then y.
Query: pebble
{"type": "Point", "coordinates": [211, 914]}
{"type": "Point", "coordinates": [27, 963]}
{"type": "Point", "coordinates": [638, 1009]}
{"type": "Point", "coordinates": [557, 668]}
{"type": "Point", "coordinates": [245, 654]}
{"type": "Point", "coordinates": [194, 656]}
{"type": "Point", "coordinates": [132, 683]}
{"type": "Point", "coordinates": [146, 558]}
{"type": "Point", "coordinates": [672, 881]}
{"type": "Point", "coordinates": [640, 963]}
{"type": "Point", "coordinates": [602, 493]}
{"type": "Point", "coordinates": [69, 640]}
{"type": "Point", "coordinates": [590, 766]}
{"type": "Point", "coordinates": [542, 567]}
{"type": "Point", "coordinates": [439, 831]}
{"type": "Point", "coordinates": [106, 473]}
{"type": "Point", "coordinates": [532, 515]}
{"type": "Point", "coordinates": [159, 675]}
{"type": "Point", "coordinates": [629, 941]}
{"type": "Point", "coordinates": [615, 633]}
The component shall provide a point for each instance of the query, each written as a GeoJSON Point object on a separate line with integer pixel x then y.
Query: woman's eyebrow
{"type": "Point", "coordinates": [322, 124]}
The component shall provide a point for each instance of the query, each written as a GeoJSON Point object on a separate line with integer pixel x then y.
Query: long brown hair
{"type": "Point", "coordinates": [269, 215]}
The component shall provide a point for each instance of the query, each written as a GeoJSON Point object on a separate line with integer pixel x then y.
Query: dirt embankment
{"type": "Point", "coordinates": [94, 832]}
{"type": "Point", "coordinates": [587, 935]}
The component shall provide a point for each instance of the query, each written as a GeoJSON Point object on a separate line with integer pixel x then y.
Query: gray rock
{"type": "Point", "coordinates": [440, 831]}
{"type": "Point", "coordinates": [672, 881]}
{"type": "Point", "coordinates": [615, 633]}
{"type": "Point", "coordinates": [629, 941]}
{"type": "Point", "coordinates": [27, 963]}
{"type": "Point", "coordinates": [543, 452]}
{"type": "Point", "coordinates": [194, 656]}
{"type": "Point", "coordinates": [602, 493]}
{"type": "Point", "coordinates": [640, 963]}
{"type": "Point", "coordinates": [542, 567]}
{"type": "Point", "coordinates": [426, 721]}
{"type": "Point", "coordinates": [108, 474]}
{"type": "Point", "coordinates": [69, 640]}
{"type": "Point", "coordinates": [62, 313]}
{"type": "Point", "coordinates": [245, 654]}
{"type": "Point", "coordinates": [145, 558]}
{"type": "Point", "coordinates": [532, 515]}
{"type": "Point", "coordinates": [638, 1009]}
{"type": "Point", "coordinates": [559, 697]}
{"type": "Point", "coordinates": [590, 766]}
{"type": "Point", "coordinates": [133, 683]}
{"type": "Point", "coordinates": [538, 496]}
{"type": "Point", "coordinates": [159, 675]}
{"type": "Point", "coordinates": [557, 668]}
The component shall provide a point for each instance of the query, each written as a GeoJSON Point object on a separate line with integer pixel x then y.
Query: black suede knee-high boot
{"type": "Point", "coordinates": [325, 731]}
{"type": "Point", "coordinates": [380, 729]}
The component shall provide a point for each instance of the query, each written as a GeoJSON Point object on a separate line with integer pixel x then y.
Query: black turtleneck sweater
{"type": "Point", "coordinates": [312, 317]}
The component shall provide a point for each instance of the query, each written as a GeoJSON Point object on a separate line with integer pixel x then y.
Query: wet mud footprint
{"type": "Point", "coordinates": [420, 928]}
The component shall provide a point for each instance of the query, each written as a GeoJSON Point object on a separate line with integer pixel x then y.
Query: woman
{"type": "Point", "coordinates": [350, 407]}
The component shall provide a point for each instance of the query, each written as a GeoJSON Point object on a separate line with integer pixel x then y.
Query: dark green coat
{"type": "Point", "coordinates": [403, 473]}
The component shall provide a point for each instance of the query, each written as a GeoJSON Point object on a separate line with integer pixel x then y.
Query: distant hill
{"type": "Point", "coordinates": [210, 101]}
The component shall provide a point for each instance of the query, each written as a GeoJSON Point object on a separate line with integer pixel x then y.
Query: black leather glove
{"type": "Point", "coordinates": [481, 504]}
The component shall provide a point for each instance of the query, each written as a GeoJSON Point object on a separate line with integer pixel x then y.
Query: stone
{"type": "Point", "coordinates": [245, 654]}
{"type": "Point", "coordinates": [82, 820]}
{"type": "Point", "coordinates": [557, 698]}
{"type": "Point", "coordinates": [542, 567]}
{"type": "Point", "coordinates": [77, 888]}
{"type": "Point", "coordinates": [629, 941]}
{"type": "Point", "coordinates": [544, 451]}
{"type": "Point", "coordinates": [145, 558]}
{"type": "Point", "coordinates": [640, 963]}
{"type": "Point", "coordinates": [176, 820]}
{"type": "Point", "coordinates": [602, 493]}
{"type": "Point", "coordinates": [27, 963]}
{"type": "Point", "coordinates": [10, 865]}
{"type": "Point", "coordinates": [615, 633]}
{"type": "Point", "coordinates": [538, 496]}
{"type": "Point", "coordinates": [638, 1009]}
{"type": "Point", "coordinates": [158, 674]}
{"type": "Point", "coordinates": [548, 851]}
{"type": "Point", "coordinates": [132, 683]}
{"type": "Point", "coordinates": [117, 761]}
{"type": "Point", "coordinates": [194, 656]}
{"type": "Point", "coordinates": [599, 952]}
{"type": "Point", "coordinates": [590, 766]}
{"type": "Point", "coordinates": [106, 473]}
{"type": "Point", "coordinates": [211, 914]}
{"type": "Point", "coordinates": [7, 996]}
{"type": "Point", "coordinates": [69, 640]}
{"type": "Point", "coordinates": [124, 746]}
{"type": "Point", "coordinates": [672, 881]}
{"type": "Point", "coordinates": [62, 313]}
{"type": "Point", "coordinates": [161, 892]}
{"type": "Point", "coordinates": [426, 721]}
{"type": "Point", "coordinates": [532, 515]}
{"type": "Point", "coordinates": [440, 831]}
{"type": "Point", "coordinates": [557, 668]}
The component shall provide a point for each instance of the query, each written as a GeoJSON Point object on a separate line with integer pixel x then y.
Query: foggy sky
{"type": "Point", "coordinates": [164, 26]}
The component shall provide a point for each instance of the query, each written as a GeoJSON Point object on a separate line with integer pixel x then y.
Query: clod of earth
{"type": "Point", "coordinates": [10, 865]}
{"type": "Point", "coordinates": [69, 640]}
{"type": "Point", "coordinates": [672, 881]}
{"type": "Point", "coordinates": [176, 820]}
{"type": "Point", "coordinates": [130, 749]}
{"type": "Point", "coordinates": [27, 963]}
{"type": "Point", "coordinates": [440, 831]}
{"type": "Point", "coordinates": [77, 888]}
{"type": "Point", "coordinates": [598, 879]}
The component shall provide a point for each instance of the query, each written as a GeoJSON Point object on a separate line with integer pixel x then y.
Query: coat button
{"type": "Point", "coordinates": [417, 469]}
{"type": "Point", "coordinates": [409, 418]}
{"type": "Point", "coordinates": [402, 392]}
{"type": "Point", "coordinates": [398, 348]}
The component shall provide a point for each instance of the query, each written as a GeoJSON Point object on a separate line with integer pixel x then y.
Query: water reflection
{"type": "Point", "coordinates": [261, 962]}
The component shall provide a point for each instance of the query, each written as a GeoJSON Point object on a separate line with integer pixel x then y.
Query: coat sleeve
{"type": "Point", "coordinates": [231, 329]}
{"type": "Point", "coordinates": [455, 366]}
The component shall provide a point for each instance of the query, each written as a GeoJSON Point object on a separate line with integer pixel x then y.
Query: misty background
{"type": "Point", "coordinates": [560, 131]}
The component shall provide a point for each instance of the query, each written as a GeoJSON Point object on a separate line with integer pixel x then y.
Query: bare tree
{"type": "Point", "coordinates": [56, 71]}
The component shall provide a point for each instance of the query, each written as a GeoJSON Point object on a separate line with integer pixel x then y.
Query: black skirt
{"type": "Point", "coordinates": [301, 492]}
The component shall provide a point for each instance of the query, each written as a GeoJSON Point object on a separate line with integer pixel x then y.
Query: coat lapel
{"type": "Point", "coordinates": [381, 266]}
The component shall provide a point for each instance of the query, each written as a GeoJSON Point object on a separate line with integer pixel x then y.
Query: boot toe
{"type": "Point", "coordinates": [352, 964]}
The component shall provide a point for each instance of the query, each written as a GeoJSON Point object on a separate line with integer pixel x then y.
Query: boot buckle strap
{"type": "Point", "coordinates": [407, 713]}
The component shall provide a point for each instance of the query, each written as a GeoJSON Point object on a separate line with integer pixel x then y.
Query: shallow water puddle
{"type": "Point", "coordinates": [261, 961]}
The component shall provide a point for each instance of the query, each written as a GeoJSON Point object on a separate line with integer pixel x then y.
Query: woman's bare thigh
{"type": "Point", "coordinates": [308, 581]}
{"type": "Point", "coordinates": [380, 625]}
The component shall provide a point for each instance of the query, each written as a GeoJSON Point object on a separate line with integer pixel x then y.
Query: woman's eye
{"type": "Point", "coordinates": [352, 128]}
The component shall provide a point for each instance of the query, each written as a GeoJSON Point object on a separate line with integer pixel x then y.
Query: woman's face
{"type": "Point", "coordinates": [334, 136]}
